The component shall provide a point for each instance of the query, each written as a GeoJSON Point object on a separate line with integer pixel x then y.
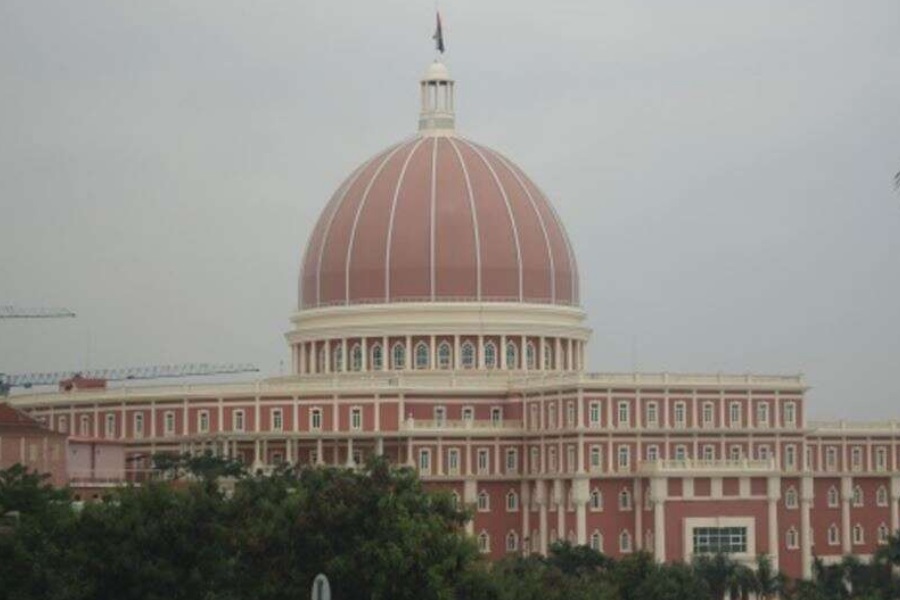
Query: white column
{"type": "Point", "coordinates": [432, 363]}
{"type": "Point", "coordinates": [480, 352]}
{"type": "Point", "coordinates": [895, 504]}
{"type": "Point", "coordinates": [541, 357]}
{"type": "Point", "coordinates": [320, 452]}
{"type": "Point", "coordinates": [344, 364]}
{"type": "Point", "coordinates": [364, 346]}
{"type": "Point", "coordinates": [470, 496]}
{"type": "Point", "coordinates": [327, 346]}
{"type": "Point", "coordinates": [288, 451]}
{"type": "Point", "coordinates": [638, 495]}
{"type": "Point", "coordinates": [409, 350]}
{"type": "Point", "coordinates": [846, 496]}
{"type": "Point", "coordinates": [658, 492]}
{"type": "Point", "coordinates": [541, 491]}
{"type": "Point", "coordinates": [503, 353]}
{"type": "Point", "coordinates": [525, 507]}
{"type": "Point", "coordinates": [523, 358]}
{"type": "Point", "coordinates": [557, 355]}
{"type": "Point", "coordinates": [580, 497]}
{"type": "Point", "coordinates": [806, 500]}
{"type": "Point", "coordinates": [774, 494]}
{"type": "Point", "coordinates": [456, 360]}
{"type": "Point", "coordinates": [350, 462]}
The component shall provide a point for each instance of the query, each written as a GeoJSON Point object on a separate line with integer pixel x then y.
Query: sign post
{"type": "Point", "coordinates": [321, 589]}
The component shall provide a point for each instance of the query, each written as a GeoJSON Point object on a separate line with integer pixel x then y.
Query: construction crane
{"type": "Point", "coordinates": [101, 376]}
{"type": "Point", "coordinates": [15, 312]}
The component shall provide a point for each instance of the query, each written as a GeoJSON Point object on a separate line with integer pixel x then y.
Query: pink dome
{"type": "Point", "coordinates": [438, 218]}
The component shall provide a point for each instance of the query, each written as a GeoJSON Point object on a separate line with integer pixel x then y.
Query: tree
{"type": "Point", "coordinates": [718, 571]}
{"type": "Point", "coordinates": [769, 583]}
{"type": "Point", "coordinates": [27, 492]}
{"type": "Point", "coordinates": [671, 582]}
{"type": "Point", "coordinates": [576, 560]}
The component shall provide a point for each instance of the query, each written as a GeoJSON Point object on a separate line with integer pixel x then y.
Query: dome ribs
{"type": "Point", "coordinates": [319, 238]}
{"type": "Point", "coordinates": [408, 267]}
{"type": "Point", "coordinates": [501, 256]}
{"type": "Point", "coordinates": [538, 273]}
{"type": "Point", "coordinates": [390, 229]}
{"type": "Point", "coordinates": [475, 229]}
{"type": "Point", "coordinates": [455, 240]}
{"type": "Point", "coordinates": [566, 273]}
{"type": "Point", "coordinates": [367, 246]}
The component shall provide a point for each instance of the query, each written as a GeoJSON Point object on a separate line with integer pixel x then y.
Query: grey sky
{"type": "Point", "coordinates": [723, 168]}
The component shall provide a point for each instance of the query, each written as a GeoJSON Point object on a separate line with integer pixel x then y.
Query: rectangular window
{"type": "Point", "coordinates": [570, 459]}
{"type": "Point", "coordinates": [277, 420]}
{"type": "Point", "coordinates": [238, 421]}
{"type": "Point", "coordinates": [169, 423]}
{"type": "Point", "coordinates": [425, 461]}
{"type": "Point", "coordinates": [551, 457]}
{"type": "Point", "coordinates": [790, 414]}
{"type": "Point", "coordinates": [315, 419]}
{"type": "Point", "coordinates": [680, 412]}
{"type": "Point", "coordinates": [809, 458]}
{"type": "Point", "coordinates": [596, 458]}
{"type": "Point", "coordinates": [735, 414]}
{"type": "Point", "coordinates": [497, 416]}
{"type": "Point", "coordinates": [551, 415]}
{"type": "Point", "coordinates": [720, 540]}
{"type": "Point", "coordinates": [624, 416]}
{"type": "Point", "coordinates": [468, 414]}
{"type": "Point", "coordinates": [110, 425]}
{"type": "Point", "coordinates": [356, 419]}
{"type": "Point", "coordinates": [790, 457]}
{"type": "Point", "coordinates": [63, 425]}
{"type": "Point", "coordinates": [762, 414]}
{"type": "Point", "coordinates": [652, 415]}
{"type": "Point", "coordinates": [595, 414]}
{"type": "Point", "coordinates": [652, 453]}
{"type": "Point", "coordinates": [535, 459]}
{"type": "Point", "coordinates": [357, 457]}
{"type": "Point", "coordinates": [453, 461]}
{"type": "Point", "coordinates": [735, 453]}
{"type": "Point", "coordinates": [856, 458]}
{"type": "Point", "coordinates": [624, 458]}
{"type": "Point", "coordinates": [880, 459]}
{"type": "Point", "coordinates": [484, 462]}
{"type": "Point", "coordinates": [440, 416]}
{"type": "Point", "coordinates": [708, 414]}
{"type": "Point", "coordinates": [203, 421]}
{"type": "Point", "coordinates": [831, 458]}
{"type": "Point", "coordinates": [709, 452]}
{"type": "Point", "coordinates": [512, 461]}
{"type": "Point", "coordinates": [85, 426]}
{"type": "Point", "coordinates": [680, 452]}
{"type": "Point", "coordinates": [762, 452]}
{"type": "Point", "coordinates": [570, 414]}
{"type": "Point", "coordinates": [138, 425]}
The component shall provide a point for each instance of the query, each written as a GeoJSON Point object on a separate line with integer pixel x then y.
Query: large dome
{"type": "Point", "coordinates": [438, 218]}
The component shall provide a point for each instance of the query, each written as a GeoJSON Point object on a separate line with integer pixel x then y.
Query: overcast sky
{"type": "Point", "coordinates": [723, 168]}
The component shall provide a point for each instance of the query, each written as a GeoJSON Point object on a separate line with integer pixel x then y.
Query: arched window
{"type": "Point", "coordinates": [596, 502]}
{"type": "Point", "coordinates": [337, 358]}
{"type": "Point", "coordinates": [858, 534]}
{"type": "Point", "coordinates": [512, 356]}
{"type": "Point", "coordinates": [484, 501]}
{"type": "Point", "coordinates": [834, 535]}
{"type": "Point", "coordinates": [791, 539]}
{"type": "Point", "coordinates": [484, 542]}
{"type": "Point", "coordinates": [377, 357]}
{"type": "Point", "coordinates": [490, 355]}
{"type": "Point", "coordinates": [530, 359]}
{"type": "Point", "coordinates": [512, 541]}
{"type": "Point", "coordinates": [421, 355]}
{"type": "Point", "coordinates": [467, 354]}
{"type": "Point", "coordinates": [790, 498]}
{"type": "Point", "coordinates": [356, 358]}
{"type": "Point", "coordinates": [597, 541]}
{"type": "Point", "coordinates": [625, 541]}
{"type": "Point", "coordinates": [857, 496]}
{"type": "Point", "coordinates": [883, 534]}
{"type": "Point", "coordinates": [625, 499]}
{"type": "Point", "coordinates": [454, 499]}
{"type": "Point", "coordinates": [833, 500]}
{"type": "Point", "coordinates": [881, 496]}
{"type": "Point", "coordinates": [512, 501]}
{"type": "Point", "coordinates": [548, 357]}
{"type": "Point", "coordinates": [398, 356]}
{"type": "Point", "coordinates": [445, 356]}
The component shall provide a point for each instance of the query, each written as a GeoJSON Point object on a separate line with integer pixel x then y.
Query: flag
{"type": "Point", "coordinates": [438, 36]}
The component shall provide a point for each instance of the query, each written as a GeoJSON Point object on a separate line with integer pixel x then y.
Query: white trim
{"type": "Point", "coordinates": [431, 264]}
{"type": "Point", "coordinates": [324, 243]}
{"type": "Point", "coordinates": [465, 171]}
{"type": "Point", "coordinates": [390, 231]}
{"type": "Point", "coordinates": [540, 218]}
{"type": "Point", "coordinates": [691, 523]}
{"type": "Point", "coordinates": [509, 212]}
{"type": "Point", "coordinates": [359, 209]}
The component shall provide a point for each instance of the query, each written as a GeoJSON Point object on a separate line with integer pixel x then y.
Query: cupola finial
{"type": "Point", "coordinates": [437, 116]}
